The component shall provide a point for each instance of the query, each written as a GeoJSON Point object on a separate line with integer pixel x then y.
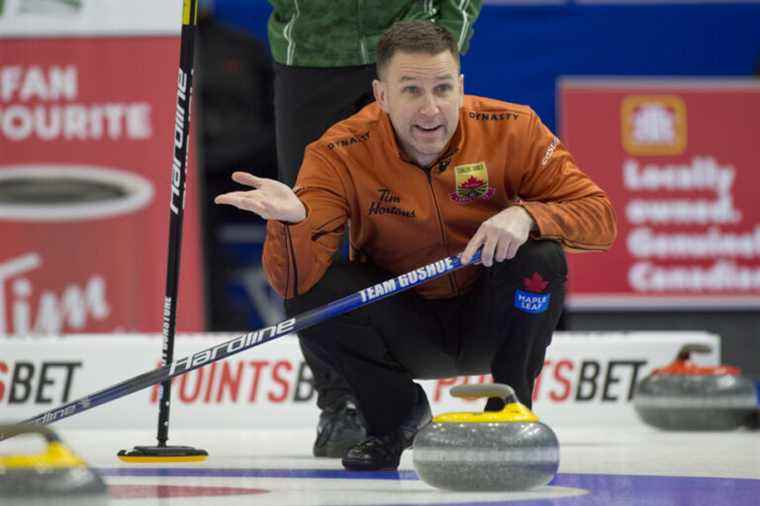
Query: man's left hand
{"type": "Point", "coordinates": [500, 236]}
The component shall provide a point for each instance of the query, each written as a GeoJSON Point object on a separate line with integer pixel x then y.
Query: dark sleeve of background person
{"type": "Point", "coordinates": [236, 113]}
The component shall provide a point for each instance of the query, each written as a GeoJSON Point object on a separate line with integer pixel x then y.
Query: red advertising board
{"type": "Point", "coordinates": [86, 146]}
{"type": "Point", "coordinates": [679, 161]}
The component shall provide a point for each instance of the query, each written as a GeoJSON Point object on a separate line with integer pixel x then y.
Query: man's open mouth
{"type": "Point", "coordinates": [428, 129]}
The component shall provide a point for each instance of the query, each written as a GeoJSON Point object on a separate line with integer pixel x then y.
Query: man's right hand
{"type": "Point", "coordinates": [269, 199]}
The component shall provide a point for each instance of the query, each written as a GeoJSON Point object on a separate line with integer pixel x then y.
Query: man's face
{"type": "Point", "coordinates": [422, 94]}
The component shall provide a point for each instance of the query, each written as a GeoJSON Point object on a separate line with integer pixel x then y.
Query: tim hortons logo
{"type": "Point", "coordinates": [70, 308]}
{"type": "Point", "coordinates": [386, 204]}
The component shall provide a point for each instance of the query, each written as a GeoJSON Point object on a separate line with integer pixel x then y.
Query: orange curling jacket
{"type": "Point", "coordinates": [403, 216]}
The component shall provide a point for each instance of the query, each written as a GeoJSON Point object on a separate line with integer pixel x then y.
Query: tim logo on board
{"type": "Point", "coordinates": [531, 300]}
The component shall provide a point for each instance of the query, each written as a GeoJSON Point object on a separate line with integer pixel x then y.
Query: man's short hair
{"type": "Point", "coordinates": [414, 37]}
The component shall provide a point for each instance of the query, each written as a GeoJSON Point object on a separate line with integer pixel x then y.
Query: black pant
{"type": "Point", "coordinates": [380, 348]}
{"type": "Point", "coordinates": [309, 100]}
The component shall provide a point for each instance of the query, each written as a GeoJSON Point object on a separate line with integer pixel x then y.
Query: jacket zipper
{"type": "Point", "coordinates": [450, 277]}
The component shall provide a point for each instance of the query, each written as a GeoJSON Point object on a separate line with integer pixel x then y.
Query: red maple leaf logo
{"type": "Point", "coordinates": [472, 182]}
{"type": "Point", "coordinates": [535, 283]}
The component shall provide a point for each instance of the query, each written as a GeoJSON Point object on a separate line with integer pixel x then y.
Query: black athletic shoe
{"type": "Point", "coordinates": [375, 453]}
{"type": "Point", "coordinates": [338, 430]}
{"type": "Point", "coordinates": [384, 452]}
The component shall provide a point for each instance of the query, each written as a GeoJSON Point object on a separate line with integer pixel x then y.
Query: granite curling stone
{"type": "Point", "coordinates": [505, 450]}
{"type": "Point", "coordinates": [54, 477]}
{"type": "Point", "coordinates": [688, 397]}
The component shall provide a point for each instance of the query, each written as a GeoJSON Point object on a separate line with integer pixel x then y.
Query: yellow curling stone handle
{"type": "Point", "coordinates": [513, 410]}
{"type": "Point", "coordinates": [55, 456]}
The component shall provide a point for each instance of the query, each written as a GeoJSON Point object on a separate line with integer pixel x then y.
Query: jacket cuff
{"type": "Point", "coordinates": [540, 218]}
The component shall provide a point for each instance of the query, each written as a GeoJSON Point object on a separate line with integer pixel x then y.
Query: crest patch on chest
{"type": "Point", "coordinates": [471, 183]}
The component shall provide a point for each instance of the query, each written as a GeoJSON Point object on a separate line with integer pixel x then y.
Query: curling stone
{"type": "Point", "coordinates": [487, 451]}
{"type": "Point", "coordinates": [56, 476]}
{"type": "Point", "coordinates": [689, 397]}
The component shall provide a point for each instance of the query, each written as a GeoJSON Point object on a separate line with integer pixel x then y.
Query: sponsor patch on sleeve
{"type": "Point", "coordinates": [550, 151]}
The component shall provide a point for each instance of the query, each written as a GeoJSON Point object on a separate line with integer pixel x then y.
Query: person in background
{"type": "Point", "coordinates": [235, 128]}
{"type": "Point", "coordinates": [324, 65]}
{"type": "Point", "coordinates": [423, 173]}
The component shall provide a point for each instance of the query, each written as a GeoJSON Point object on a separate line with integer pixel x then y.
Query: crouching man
{"type": "Point", "coordinates": [423, 173]}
